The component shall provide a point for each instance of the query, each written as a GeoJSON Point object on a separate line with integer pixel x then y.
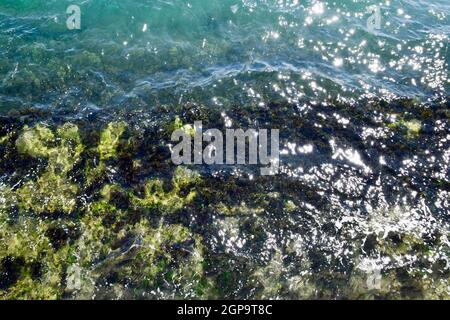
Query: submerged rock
{"type": "Point", "coordinates": [94, 208]}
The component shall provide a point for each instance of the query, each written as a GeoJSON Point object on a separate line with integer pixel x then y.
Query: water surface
{"type": "Point", "coordinates": [91, 205]}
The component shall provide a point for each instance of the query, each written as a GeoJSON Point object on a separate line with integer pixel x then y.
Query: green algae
{"type": "Point", "coordinates": [290, 206]}
{"type": "Point", "coordinates": [240, 210]}
{"type": "Point", "coordinates": [412, 127]}
{"type": "Point", "coordinates": [8, 200]}
{"type": "Point", "coordinates": [182, 264]}
{"type": "Point", "coordinates": [394, 284]}
{"type": "Point", "coordinates": [177, 124]}
{"type": "Point", "coordinates": [39, 271]}
{"type": "Point", "coordinates": [109, 140]}
{"type": "Point", "coordinates": [5, 138]}
{"type": "Point", "coordinates": [414, 280]}
{"type": "Point", "coordinates": [268, 278]}
{"type": "Point", "coordinates": [35, 141]}
{"type": "Point", "coordinates": [147, 250]}
{"type": "Point", "coordinates": [156, 197]}
{"type": "Point", "coordinates": [84, 58]}
{"type": "Point", "coordinates": [52, 191]}
{"type": "Point", "coordinates": [106, 150]}
{"type": "Point", "coordinates": [93, 255]}
{"type": "Point", "coordinates": [135, 227]}
{"type": "Point", "coordinates": [94, 173]}
{"type": "Point", "coordinates": [62, 150]}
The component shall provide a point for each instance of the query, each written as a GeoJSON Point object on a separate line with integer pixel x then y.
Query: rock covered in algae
{"type": "Point", "coordinates": [30, 265]}
{"type": "Point", "coordinates": [109, 140]}
{"type": "Point", "coordinates": [62, 150]}
{"type": "Point", "coordinates": [114, 242]}
{"type": "Point", "coordinates": [35, 141]}
{"type": "Point", "coordinates": [95, 210]}
{"type": "Point", "coordinates": [53, 191]}
{"type": "Point", "coordinates": [49, 193]}
{"type": "Point", "coordinates": [178, 124]}
{"type": "Point", "coordinates": [5, 138]}
{"type": "Point", "coordinates": [40, 260]}
{"type": "Point", "coordinates": [412, 127]}
{"type": "Point", "coordinates": [106, 150]}
{"type": "Point", "coordinates": [156, 197]}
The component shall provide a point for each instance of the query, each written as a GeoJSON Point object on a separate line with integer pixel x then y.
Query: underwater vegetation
{"type": "Point", "coordinates": [91, 206]}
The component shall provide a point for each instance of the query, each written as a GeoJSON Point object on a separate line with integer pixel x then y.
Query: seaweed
{"type": "Point", "coordinates": [93, 208]}
{"type": "Point", "coordinates": [181, 194]}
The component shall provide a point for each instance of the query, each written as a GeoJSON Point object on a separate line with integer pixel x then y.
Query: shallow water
{"type": "Point", "coordinates": [140, 53]}
{"type": "Point", "coordinates": [91, 205]}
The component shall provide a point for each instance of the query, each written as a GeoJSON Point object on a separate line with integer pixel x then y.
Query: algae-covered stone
{"type": "Point", "coordinates": [62, 149]}
{"type": "Point", "coordinates": [109, 140]}
{"type": "Point", "coordinates": [169, 254]}
{"type": "Point", "coordinates": [84, 58]}
{"type": "Point", "coordinates": [68, 153]}
{"type": "Point", "coordinates": [30, 267]}
{"type": "Point", "coordinates": [102, 225]}
{"type": "Point", "coordinates": [290, 206]}
{"type": "Point", "coordinates": [181, 194]}
{"type": "Point", "coordinates": [412, 127]}
{"type": "Point", "coordinates": [178, 124]}
{"type": "Point", "coordinates": [8, 200]}
{"type": "Point", "coordinates": [140, 229]}
{"type": "Point", "coordinates": [53, 191]}
{"type": "Point", "coordinates": [373, 285]}
{"type": "Point", "coordinates": [36, 141]}
{"type": "Point", "coordinates": [107, 150]}
{"type": "Point", "coordinates": [139, 252]}
{"type": "Point", "coordinates": [240, 210]}
{"type": "Point", "coordinates": [269, 276]}
{"type": "Point", "coordinates": [50, 193]}
{"type": "Point", "coordinates": [5, 138]}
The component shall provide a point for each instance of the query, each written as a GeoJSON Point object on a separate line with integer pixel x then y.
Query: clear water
{"type": "Point", "coordinates": [132, 53]}
{"type": "Point", "coordinates": [359, 210]}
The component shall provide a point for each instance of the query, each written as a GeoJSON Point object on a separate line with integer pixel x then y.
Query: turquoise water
{"type": "Point", "coordinates": [142, 53]}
